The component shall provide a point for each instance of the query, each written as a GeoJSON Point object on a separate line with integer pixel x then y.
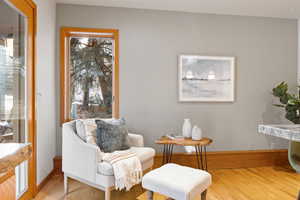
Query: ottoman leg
{"type": "Point", "coordinates": [149, 195]}
{"type": "Point", "coordinates": [107, 193]}
{"type": "Point", "coordinates": [66, 183]}
{"type": "Point", "coordinates": [203, 195]}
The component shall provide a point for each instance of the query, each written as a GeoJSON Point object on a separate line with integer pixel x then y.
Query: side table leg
{"type": "Point", "coordinates": [198, 156]}
{"type": "Point", "coordinates": [167, 153]}
{"type": "Point", "coordinates": [205, 155]}
{"type": "Point", "coordinates": [201, 157]}
{"type": "Point", "coordinates": [170, 153]}
{"type": "Point", "coordinates": [164, 155]}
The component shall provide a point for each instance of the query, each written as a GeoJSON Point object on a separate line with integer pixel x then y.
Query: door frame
{"type": "Point", "coordinates": [29, 9]}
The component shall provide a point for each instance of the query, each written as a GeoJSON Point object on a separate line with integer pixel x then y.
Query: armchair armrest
{"type": "Point", "coordinates": [78, 158]}
{"type": "Point", "coordinates": [136, 140]}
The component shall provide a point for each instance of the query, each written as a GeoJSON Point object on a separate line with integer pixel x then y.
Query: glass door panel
{"type": "Point", "coordinates": [13, 87]}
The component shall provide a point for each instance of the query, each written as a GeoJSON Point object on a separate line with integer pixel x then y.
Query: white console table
{"type": "Point", "coordinates": [288, 132]}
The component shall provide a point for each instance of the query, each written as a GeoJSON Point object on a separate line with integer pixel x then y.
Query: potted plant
{"type": "Point", "coordinates": [290, 102]}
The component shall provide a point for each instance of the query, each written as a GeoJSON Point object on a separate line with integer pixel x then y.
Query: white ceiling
{"type": "Point", "coordinates": [264, 8]}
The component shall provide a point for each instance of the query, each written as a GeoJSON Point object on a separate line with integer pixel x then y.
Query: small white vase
{"type": "Point", "coordinates": [187, 128]}
{"type": "Point", "coordinates": [196, 133]}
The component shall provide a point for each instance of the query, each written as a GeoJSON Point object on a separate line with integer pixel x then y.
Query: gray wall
{"type": "Point", "coordinates": [150, 41]}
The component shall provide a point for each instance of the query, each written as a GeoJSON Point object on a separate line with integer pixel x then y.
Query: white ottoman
{"type": "Point", "coordinates": [177, 182]}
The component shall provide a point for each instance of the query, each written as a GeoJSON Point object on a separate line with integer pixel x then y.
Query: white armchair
{"type": "Point", "coordinates": [80, 160]}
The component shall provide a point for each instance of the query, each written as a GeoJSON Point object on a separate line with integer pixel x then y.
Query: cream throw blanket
{"type": "Point", "coordinates": [127, 168]}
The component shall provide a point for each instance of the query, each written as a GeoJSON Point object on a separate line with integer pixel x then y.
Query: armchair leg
{"type": "Point", "coordinates": [66, 183]}
{"type": "Point", "coordinates": [149, 195]}
{"type": "Point", "coordinates": [107, 193]}
{"type": "Point", "coordinates": [203, 195]}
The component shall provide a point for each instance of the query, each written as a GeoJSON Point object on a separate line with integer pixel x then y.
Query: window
{"type": "Point", "coordinates": [89, 73]}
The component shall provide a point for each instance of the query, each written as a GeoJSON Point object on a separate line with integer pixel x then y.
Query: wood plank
{"type": "Point", "coordinates": [271, 183]}
{"type": "Point", "coordinates": [8, 186]}
{"type": "Point", "coordinates": [46, 180]}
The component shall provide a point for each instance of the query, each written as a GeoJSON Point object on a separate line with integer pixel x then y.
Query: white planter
{"type": "Point", "coordinates": [187, 128]}
{"type": "Point", "coordinates": [196, 133]}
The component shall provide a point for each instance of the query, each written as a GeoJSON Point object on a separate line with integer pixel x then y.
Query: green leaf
{"type": "Point", "coordinates": [280, 90]}
{"type": "Point", "coordinates": [290, 102]}
{"type": "Point", "coordinates": [279, 105]}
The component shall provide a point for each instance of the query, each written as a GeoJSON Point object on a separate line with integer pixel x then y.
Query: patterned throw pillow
{"type": "Point", "coordinates": [112, 136]}
{"type": "Point", "coordinates": [86, 128]}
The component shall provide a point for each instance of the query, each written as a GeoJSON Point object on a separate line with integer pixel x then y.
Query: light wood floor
{"type": "Point", "coordinates": [263, 183]}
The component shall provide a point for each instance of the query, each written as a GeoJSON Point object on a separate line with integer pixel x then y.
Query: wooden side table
{"type": "Point", "coordinates": [200, 146]}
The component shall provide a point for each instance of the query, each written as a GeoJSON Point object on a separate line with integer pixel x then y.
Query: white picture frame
{"type": "Point", "coordinates": [206, 78]}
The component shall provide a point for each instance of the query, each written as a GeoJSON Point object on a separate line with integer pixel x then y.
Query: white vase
{"type": "Point", "coordinates": [196, 133]}
{"type": "Point", "coordinates": [187, 128]}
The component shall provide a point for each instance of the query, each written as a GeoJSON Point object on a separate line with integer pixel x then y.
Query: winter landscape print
{"type": "Point", "coordinates": [206, 78]}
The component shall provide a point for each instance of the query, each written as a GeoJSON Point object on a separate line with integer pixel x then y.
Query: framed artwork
{"type": "Point", "coordinates": [206, 78]}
